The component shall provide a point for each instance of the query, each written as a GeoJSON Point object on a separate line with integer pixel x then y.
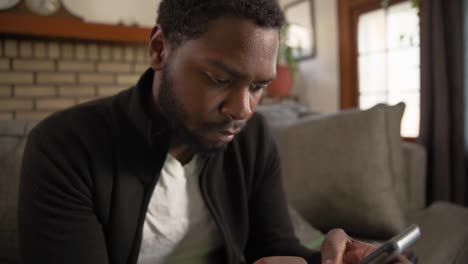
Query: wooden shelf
{"type": "Point", "coordinates": [68, 27]}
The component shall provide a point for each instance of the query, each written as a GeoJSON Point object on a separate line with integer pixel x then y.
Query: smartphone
{"type": "Point", "coordinates": [393, 247]}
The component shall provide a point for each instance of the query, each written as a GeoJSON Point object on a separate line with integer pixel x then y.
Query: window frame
{"type": "Point", "coordinates": [349, 12]}
{"type": "Point", "coordinates": [348, 15]}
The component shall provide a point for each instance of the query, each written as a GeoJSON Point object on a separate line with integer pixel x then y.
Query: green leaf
{"type": "Point", "coordinates": [414, 3]}
{"type": "Point", "coordinates": [285, 52]}
{"type": "Point", "coordinates": [384, 3]}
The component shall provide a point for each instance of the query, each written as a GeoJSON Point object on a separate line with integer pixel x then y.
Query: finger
{"type": "Point", "coordinates": [357, 250]}
{"type": "Point", "coordinates": [401, 260]}
{"type": "Point", "coordinates": [281, 260]}
{"type": "Point", "coordinates": [409, 254]}
{"type": "Point", "coordinates": [361, 249]}
{"type": "Point", "coordinates": [334, 246]}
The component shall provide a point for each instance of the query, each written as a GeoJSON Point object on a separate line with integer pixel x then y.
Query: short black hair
{"type": "Point", "coordinates": [187, 19]}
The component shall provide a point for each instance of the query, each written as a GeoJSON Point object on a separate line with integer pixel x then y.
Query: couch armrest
{"type": "Point", "coordinates": [415, 169]}
{"type": "Point", "coordinates": [444, 236]}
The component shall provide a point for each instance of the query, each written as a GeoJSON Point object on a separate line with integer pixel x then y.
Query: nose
{"type": "Point", "coordinates": [238, 104]}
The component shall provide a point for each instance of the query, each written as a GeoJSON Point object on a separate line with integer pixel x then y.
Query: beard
{"type": "Point", "coordinates": [177, 116]}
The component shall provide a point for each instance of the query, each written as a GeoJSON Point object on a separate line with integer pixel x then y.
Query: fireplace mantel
{"type": "Point", "coordinates": [69, 27]}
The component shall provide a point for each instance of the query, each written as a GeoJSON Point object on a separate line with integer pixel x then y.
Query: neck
{"type": "Point", "coordinates": [180, 152]}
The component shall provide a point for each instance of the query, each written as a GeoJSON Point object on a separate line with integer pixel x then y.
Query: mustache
{"type": "Point", "coordinates": [226, 124]}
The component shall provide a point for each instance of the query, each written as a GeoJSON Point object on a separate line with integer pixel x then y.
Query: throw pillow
{"type": "Point", "coordinates": [338, 171]}
{"type": "Point", "coordinates": [393, 115]}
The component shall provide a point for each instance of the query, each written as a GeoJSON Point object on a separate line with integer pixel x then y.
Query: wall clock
{"type": "Point", "coordinates": [43, 7]}
{"type": "Point", "coordinates": [5, 4]}
{"type": "Point", "coordinates": [123, 12]}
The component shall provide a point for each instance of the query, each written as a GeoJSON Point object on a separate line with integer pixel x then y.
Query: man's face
{"type": "Point", "coordinates": [210, 86]}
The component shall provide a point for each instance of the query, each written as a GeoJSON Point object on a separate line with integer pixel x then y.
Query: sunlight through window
{"type": "Point", "coordinates": [389, 63]}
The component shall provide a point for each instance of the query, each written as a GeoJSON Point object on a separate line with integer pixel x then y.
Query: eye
{"type": "Point", "coordinates": [219, 81]}
{"type": "Point", "coordinates": [258, 87]}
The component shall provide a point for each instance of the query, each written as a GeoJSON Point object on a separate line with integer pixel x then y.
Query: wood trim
{"type": "Point", "coordinates": [344, 33]}
{"type": "Point", "coordinates": [348, 70]}
{"type": "Point", "coordinates": [64, 27]}
{"type": "Point", "coordinates": [349, 12]}
{"type": "Point", "coordinates": [410, 139]}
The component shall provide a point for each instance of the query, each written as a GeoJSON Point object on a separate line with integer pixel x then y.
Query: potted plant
{"type": "Point", "coordinates": [415, 3]}
{"type": "Point", "coordinates": [285, 68]}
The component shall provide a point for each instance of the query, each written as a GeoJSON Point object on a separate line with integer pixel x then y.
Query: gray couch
{"type": "Point", "coordinates": [12, 143]}
{"type": "Point", "coordinates": [352, 170]}
{"type": "Point", "coordinates": [341, 170]}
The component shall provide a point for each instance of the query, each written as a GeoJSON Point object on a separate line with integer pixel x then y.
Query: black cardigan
{"type": "Point", "coordinates": [88, 174]}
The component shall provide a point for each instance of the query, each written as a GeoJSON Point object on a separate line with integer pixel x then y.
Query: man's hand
{"type": "Point", "coordinates": [339, 248]}
{"type": "Point", "coordinates": [281, 260]}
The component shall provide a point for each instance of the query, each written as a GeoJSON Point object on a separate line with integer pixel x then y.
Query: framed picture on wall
{"type": "Point", "coordinates": [301, 31]}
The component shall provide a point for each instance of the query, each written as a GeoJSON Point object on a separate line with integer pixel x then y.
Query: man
{"type": "Point", "coordinates": [177, 169]}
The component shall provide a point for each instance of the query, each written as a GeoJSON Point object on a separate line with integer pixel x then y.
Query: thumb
{"type": "Point", "coordinates": [331, 254]}
{"type": "Point", "coordinates": [334, 246]}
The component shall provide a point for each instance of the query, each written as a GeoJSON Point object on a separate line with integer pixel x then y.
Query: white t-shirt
{"type": "Point", "coordinates": [178, 227]}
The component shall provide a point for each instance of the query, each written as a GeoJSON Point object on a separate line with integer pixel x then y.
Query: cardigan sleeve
{"type": "Point", "coordinates": [271, 232]}
{"type": "Point", "coordinates": [56, 218]}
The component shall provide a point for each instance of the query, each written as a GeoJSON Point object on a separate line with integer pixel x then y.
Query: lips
{"type": "Point", "coordinates": [229, 132]}
{"type": "Point", "coordinates": [223, 132]}
{"type": "Point", "coordinates": [226, 135]}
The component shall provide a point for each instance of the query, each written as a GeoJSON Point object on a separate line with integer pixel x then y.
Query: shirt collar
{"type": "Point", "coordinates": [142, 111]}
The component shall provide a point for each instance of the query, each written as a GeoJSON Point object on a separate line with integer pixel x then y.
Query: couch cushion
{"type": "Point", "coordinates": [393, 117]}
{"type": "Point", "coordinates": [444, 234]}
{"type": "Point", "coordinates": [12, 143]}
{"type": "Point", "coordinates": [415, 159]}
{"type": "Point", "coordinates": [339, 170]}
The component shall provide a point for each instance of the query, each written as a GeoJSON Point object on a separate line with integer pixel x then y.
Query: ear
{"type": "Point", "coordinates": [158, 48]}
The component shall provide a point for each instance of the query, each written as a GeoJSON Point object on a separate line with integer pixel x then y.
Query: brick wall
{"type": "Point", "coordinates": [38, 77]}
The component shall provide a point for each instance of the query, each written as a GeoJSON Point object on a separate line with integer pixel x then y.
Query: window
{"type": "Point", "coordinates": [388, 61]}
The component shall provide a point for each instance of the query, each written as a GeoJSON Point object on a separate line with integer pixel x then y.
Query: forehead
{"type": "Point", "coordinates": [235, 41]}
